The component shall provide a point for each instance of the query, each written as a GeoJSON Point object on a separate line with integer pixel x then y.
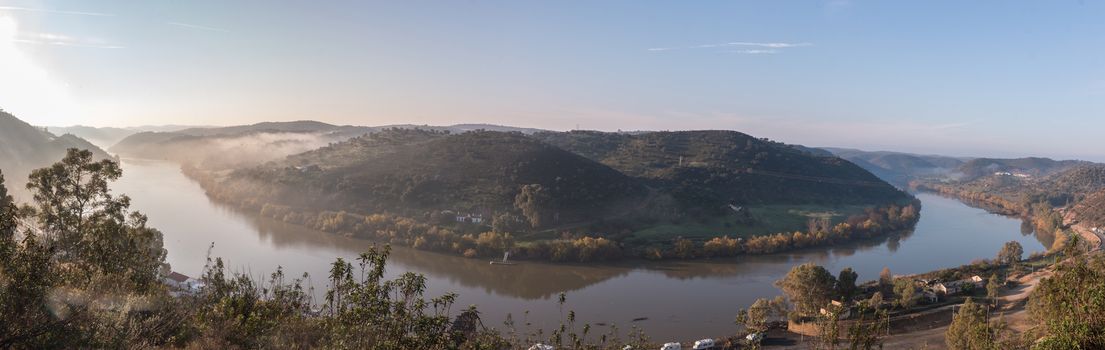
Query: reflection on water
{"type": "Point", "coordinates": [682, 300]}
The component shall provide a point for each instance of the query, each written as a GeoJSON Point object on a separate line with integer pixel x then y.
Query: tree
{"type": "Point", "coordinates": [684, 248]}
{"type": "Point", "coordinates": [885, 278]}
{"type": "Point", "coordinates": [866, 331]}
{"type": "Point", "coordinates": [534, 201]}
{"type": "Point", "coordinates": [906, 291]}
{"type": "Point", "coordinates": [970, 329]}
{"type": "Point", "coordinates": [757, 316]}
{"type": "Point", "coordinates": [1010, 253]}
{"type": "Point", "coordinates": [809, 287]}
{"type": "Point", "coordinates": [846, 284]}
{"type": "Point", "coordinates": [1069, 307]}
{"type": "Point", "coordinates": [90, 227]}
{"type": "Point", "coordinates": [993, 287]}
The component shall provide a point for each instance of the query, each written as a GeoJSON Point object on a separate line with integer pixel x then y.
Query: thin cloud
{"type": "Point", "coordinates": [198, 27]}
{"type": "Point", "coordinates": [755, 52]}
{"type": "Point", "coordinates": [62, 40]}
{"type": "Point", "coordinates": [59, 12]}
{"type": "Point", "coordinates": [769, 47]}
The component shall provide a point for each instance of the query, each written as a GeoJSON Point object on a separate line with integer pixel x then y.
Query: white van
{"type": "Point", "coordinates": [703, 344]}
{"type": "Point", "coordinates": [672, 346]}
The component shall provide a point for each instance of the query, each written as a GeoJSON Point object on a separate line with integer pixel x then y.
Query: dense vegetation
{"type": "Point", "coordinates": [704, 171]}
{"type": "Point", "coordinates": [482, 193]}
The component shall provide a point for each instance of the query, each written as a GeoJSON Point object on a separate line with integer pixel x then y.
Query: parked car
{"type": "Point", "coordinates": [540, 346]}
{"type": "Point", "coordinates": [672, 346]}
{"type": "Point", "coordinates": [703, 344]}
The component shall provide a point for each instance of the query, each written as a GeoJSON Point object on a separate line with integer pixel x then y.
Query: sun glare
{"type": "Point", "coordinates": [26, 89]}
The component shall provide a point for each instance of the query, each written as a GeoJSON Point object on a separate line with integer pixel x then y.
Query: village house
{"type": "Point", "coordinates": [956, 287]}
{"type": "Point", "coordinates": [837, 305]}
{"type": "Point", "coordinates": [472, 218]}
{"type": "Point", "coordinates": [182, 283]}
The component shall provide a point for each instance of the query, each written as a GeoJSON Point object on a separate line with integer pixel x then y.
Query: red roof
{"type": "Point", "coordinates": [176, 276]}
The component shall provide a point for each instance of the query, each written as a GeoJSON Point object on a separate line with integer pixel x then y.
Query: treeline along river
{"type": "Point", "coordinates": [681, 300]}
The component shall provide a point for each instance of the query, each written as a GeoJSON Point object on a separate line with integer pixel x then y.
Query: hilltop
{"type": "Point", "coordinates": [235, 146]}
{"type": "Point", "coordinates": [24, 148]}
{"type": "Point", "coordinates": [708, 170]}
{"type": "Point", "coordinates": [248, 145]}
{"type": "Point", "coordinates": [422, 173]}
{"type": "Point", "coordinates": [901, 168]}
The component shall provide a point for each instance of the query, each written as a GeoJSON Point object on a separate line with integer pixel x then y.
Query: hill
{"type": "Point", "coordinates": [708, 170]}
{"type": "Point", "coordinates": [422, 173]}
{"type": "Point", "coordinates": [901, 168]}
{"type": "Point", "coordinates": [1031, 166]}
{"type": "Point", "coordinates": [235, 146]}
{"type": "Point", "coordinates": [24, 148]}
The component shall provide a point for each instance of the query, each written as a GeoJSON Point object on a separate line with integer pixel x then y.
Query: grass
{"type": "Point", "coordinates": [767, 219]}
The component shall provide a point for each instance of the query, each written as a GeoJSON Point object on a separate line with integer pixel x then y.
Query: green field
{"type": "Point", "coordinates": [767, 219]}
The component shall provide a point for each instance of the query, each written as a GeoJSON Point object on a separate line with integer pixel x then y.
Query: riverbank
{"type": "Point", "coordinates": [709, 290]}
{"type": "Point", "coordinates": [486, 240]}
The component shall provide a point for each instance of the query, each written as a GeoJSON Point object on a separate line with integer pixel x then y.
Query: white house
{"type": "Point", "coordinates": [182, 283]}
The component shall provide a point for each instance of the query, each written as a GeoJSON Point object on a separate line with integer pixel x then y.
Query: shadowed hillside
{"type": "Point", "coordinates": [24, 147]}
{"type": "Point", "coordinates": [707, 170]}
{"type": "Point", "coordinates": [421, 173]}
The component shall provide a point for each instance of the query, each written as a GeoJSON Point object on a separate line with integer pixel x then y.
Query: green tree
{"type": "Point", "coordinates": [757, 316]}
{"type": "Point", "coordinates": [906, 292]}
{"type": "Point", "coordinates": [90, 227]}
{"type": "Point", "coordinates": [970, 329]}
{"type": "Point", "coordinates": [865, 332]}
{"type": "Point", "coordinates": [1069, 307]}
{"type": "Point", "coordinates": [809, 287]}
{"type": "Point", "coordinates": [534, 201]}
{"type": "Point", "coordinates": [993, 287]}
{"type": "Point", "coordinates": [1011, 253]}
{"type": "Point", "coordinates": [846, 284]}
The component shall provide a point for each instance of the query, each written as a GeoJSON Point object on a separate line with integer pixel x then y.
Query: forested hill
{"type": "Point", "coordinates": [235, 146]}
{"type": "Point", "coordinates": [901, 168]}
{"type": "Point", "coordinates": [24, 148]}
{"type": "Point", "coordinates": [422, 173]}
{"type": "Point", "coordinates": [1032, 166]}
{"type": "Point", "coordinates": [707, 170]}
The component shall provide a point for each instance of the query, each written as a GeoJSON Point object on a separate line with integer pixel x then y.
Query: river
{"type": "Point", "coordinates": [681, 300]}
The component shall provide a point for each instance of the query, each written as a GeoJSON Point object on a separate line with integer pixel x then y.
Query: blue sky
{"type": "Point", "coordinates": [995, 78]}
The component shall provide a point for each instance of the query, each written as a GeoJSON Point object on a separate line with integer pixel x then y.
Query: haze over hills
{"type": "Point", "coordinates": [246, 145]}
{"type": "Point", "coordinates": [417, 173]}
{"type": "Point", "coordinates": [24, 148]}
{"type": "Point", "coordinates": [105, 137]}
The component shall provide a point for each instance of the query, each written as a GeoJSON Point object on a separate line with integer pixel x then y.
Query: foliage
{"type": "Point", "coordinates": [971, 330]}
{"type": "Point", "coordinates": [1069, 307]}
{"type": "Point", "coordinates": [905, 289]}
{"type": "Point", "coordinates": [1011, 253]}
{"type": "Point", "coordinates": [809, 287]}
{"type": "Point", "coordinates": [756, 317]}
{"type": "Point", "coordinates": [846, 284]}
{"type": "Point", "coordinates": [866, 331]}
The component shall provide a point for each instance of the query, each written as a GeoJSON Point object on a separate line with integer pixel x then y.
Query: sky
{"type": "Point", "coordinates": [974, 78]}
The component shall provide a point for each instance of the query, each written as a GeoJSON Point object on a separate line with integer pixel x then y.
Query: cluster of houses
{"type": "Point", "coordinates": [937, 287]}
{"type": "Point", "coordinates": [472, 218]}
{"type": "Point", "coordinates": [1006, 173]}
{"type": "Point", "coordinates": [931, 292]}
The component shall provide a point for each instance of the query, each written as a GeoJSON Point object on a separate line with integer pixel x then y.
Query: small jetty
{"type": "Point", "coordinates": [505, 261]}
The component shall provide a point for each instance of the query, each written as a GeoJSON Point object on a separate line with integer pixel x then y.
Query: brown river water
{"type": "Point", "coordinates": [679, 300]}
